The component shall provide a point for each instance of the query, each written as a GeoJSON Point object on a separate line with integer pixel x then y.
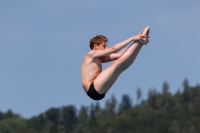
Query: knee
{"type": "Point", "coordinates": [116, 63]}
{"type": "Point", "coordinates": [120, 65]}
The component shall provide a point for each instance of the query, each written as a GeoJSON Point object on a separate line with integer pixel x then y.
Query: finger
{"type": "Point", "coordinates": [145, 36]}
{"type": "Point", "coordinates": [140, 39]}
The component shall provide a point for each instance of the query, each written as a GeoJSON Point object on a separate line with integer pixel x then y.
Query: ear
{"type": "Point", "coordinates": [95, 46]}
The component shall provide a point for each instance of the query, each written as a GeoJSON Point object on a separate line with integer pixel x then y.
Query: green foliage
{"type": "Point", "coordinates": [139, 94]}
{"type": "Point", "coordinates": [12, 125]}
{"type": "Point", "coordinates": [125, 104]}
{"type": "Point", "coordinates": [160, 113]}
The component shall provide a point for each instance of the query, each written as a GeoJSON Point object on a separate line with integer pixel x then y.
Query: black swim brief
{"type": "Point", "coordinates": [92, 93]}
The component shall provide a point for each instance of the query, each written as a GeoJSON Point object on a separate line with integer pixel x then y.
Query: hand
{"type": "Point", "coordinates": [139, 37]}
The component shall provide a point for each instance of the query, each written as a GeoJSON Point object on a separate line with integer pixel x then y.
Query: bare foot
{"type": "Point", "coordinates": [145, 35]}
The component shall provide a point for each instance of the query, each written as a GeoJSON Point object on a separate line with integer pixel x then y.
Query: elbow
{"type": "Point", "coordinates": [114, 49]}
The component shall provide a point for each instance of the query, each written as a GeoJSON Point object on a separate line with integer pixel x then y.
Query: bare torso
{"type": "Point", "coordinates": [91, 68]}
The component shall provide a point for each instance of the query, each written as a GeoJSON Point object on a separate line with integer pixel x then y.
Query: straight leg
{"type": "Point", "coordinates": [129, 56]}
{"type": "Point", "coordinates": [107, 78]}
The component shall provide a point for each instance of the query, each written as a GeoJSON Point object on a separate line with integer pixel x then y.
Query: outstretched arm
{"type": "Point", "coordinates": [113, 56]}
{"type": "Point", "coordinates": [116, 47]}
{"type": "Point", "coordinates": [122, 44]}
{"type": "Point", "coordinates": [137, 37]}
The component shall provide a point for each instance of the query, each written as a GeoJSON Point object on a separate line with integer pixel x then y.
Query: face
{"type": "Point", "coordinates": [101, 46]}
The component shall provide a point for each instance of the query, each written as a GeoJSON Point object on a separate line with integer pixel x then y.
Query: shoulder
{"type": "Point", "coordinates": [90, 55]}
{"type": "Point", "coordinates": [89, 58]}
{"type": "Point", "coordinates": [91, 52]}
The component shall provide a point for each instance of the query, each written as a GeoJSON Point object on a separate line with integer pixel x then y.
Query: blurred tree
{"type": "Point", "coordinates": [174, 128]}
{"type": "Point", "coordinates": [61, 129]}
{"type": "Point", "coordinates": [36, 122]}
{"type": "Point", "coordinates": [166, 97]}
{"type": "Point", "coordinates": [1, 115]}
{"type": "Point", "coordinates": [54, 115]}
{"type": "Point", "coordinates": [110, 107]}
{"type": "Point", "coordinates": [48, 127]}
{"type": "Point", "coordinates": [152, 98]}
{"type": "Point", "coordinates": [139, 94]}
{"type": "Point", "coordinates": [82, 116]}
{"type": "Point", "coordinates": [12, 125]}
{"type": "Point", "coordinates": [69, 118]}
{"type": "Point", "coordinates": [186, 93]}
{"type": "Point", "coordinates": [98, 111]}
{"type": "Point", "coordinates": [97, 107]}
{"type": "Point", "coordinates": [82, 120]}
{"type": "Point", "coordinates": [165, 88]}
{"type": "Point", "coordinates": [186, 85]}
{"type": "Point", "coordinates": [160, 113]}
{"type": "Point", "coordinates": [53, 118]}
{"type": "Point", "coordinates": [8, 114]}
{"type": "Point", "coordinates": [125, 104]}
{"type": "Point", "coordinates": [92, 122]}
{"type": "Point", "coordinates": [192, 129]}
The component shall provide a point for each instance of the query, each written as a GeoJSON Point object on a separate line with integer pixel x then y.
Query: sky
{"type": "Point", "coordinates": [42, 45]}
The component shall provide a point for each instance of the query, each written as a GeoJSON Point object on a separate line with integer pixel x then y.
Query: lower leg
{"type": "Point", "coordinates": [129, 56]}
{"type": "Point", "coordinates": [131, 59]}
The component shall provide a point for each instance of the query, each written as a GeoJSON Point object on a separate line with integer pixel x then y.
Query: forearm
{"type": "Point", "coordinates": [122, 44]}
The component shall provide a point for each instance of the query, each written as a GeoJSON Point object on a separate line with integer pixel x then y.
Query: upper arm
{"type": "Point", "coordinates": [100, 53]}
{"type": "Point", "coordinates": [109, 57]}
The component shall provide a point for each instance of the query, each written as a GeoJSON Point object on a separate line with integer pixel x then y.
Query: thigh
{"type": "Point", "coordinates": [107, 78]}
